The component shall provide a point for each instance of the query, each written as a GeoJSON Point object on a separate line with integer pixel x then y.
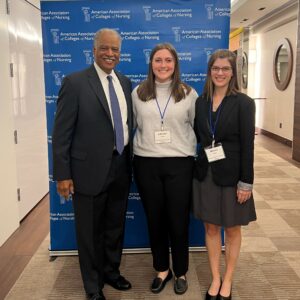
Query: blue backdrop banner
{"type": "Point", "coordinates": [195, 27]}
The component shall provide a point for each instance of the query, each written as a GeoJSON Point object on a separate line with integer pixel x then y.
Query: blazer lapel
{"type": "Point", "coordinates": [205, 118]}
{"type": "Point", "coordinates": [224, 118]}
{"type": "Point", "coordinates": [98, 89]}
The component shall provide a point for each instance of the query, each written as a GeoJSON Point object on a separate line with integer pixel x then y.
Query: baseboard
{"type": "Point", "coordinates": [275, 137]}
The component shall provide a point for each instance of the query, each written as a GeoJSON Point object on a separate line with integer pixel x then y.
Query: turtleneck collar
{"type": "Point", "coordinates": [162, 85]}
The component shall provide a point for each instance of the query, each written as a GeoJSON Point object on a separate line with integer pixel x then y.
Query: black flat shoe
{"type": "Point", "coordinates": [210, 297]}
{"type": "Point", "coordinates": [180, 286]}
{"type": "Point", "coordinates": [215, 297]}
{"type": "Point", "coordinates": [225, 298]}
{"type": "Point", "coordinates": [158, 284]}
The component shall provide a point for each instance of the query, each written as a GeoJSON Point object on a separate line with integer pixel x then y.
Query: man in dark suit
{"type": "Point", "coordinates": [91, 160]}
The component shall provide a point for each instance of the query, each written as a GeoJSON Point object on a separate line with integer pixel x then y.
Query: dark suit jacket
{"type": "Point", "coordinates": [83, 137]}
{"type": "Point", "coordinates": [235, 130]}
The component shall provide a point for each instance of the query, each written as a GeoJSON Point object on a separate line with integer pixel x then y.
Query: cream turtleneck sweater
{"type": "Point", "coordinates": [178, 119]}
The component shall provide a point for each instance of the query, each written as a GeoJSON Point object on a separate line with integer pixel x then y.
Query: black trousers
{"type": "Point", "coordinates": [99, 222]}
{"type": "Point", "coordinates": [165, 186]}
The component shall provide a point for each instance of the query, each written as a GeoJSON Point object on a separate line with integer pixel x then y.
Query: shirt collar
{"type": "Point", "coordinates": [103, 74]}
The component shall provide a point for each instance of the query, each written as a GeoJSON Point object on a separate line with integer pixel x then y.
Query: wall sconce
{"type": "Point", "coordinates": [252, 56]}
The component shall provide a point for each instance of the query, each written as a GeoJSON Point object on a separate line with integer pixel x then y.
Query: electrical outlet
{"type": "Point", "coordinates": [280, 125]}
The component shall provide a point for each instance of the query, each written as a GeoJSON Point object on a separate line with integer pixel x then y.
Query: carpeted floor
{"type": "Point", "coordinates": [268, 268]}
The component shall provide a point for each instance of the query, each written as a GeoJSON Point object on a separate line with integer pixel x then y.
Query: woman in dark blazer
{"type": "Point", "coordinates": [222, 187]}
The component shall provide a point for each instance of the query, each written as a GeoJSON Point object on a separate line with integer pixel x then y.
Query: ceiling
{"type": "Point", "coordinates": [244, 13]}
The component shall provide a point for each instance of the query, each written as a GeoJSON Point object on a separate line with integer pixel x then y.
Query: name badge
{"type": "Point", "coordinates": [162, 137]}
{"type": "Point", "coordinates": [215, 152]}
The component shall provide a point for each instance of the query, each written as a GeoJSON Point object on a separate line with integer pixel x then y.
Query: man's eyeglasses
{"type": "Point", "coordinates": [224, 70]}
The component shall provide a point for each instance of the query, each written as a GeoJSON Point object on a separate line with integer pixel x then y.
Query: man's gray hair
{"type": "Point", "coordinates": [108, 30]}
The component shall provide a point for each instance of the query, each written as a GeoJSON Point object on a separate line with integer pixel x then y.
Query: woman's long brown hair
{"type": "Point", "coordinates": [233, 87]}
{"type": "Point", "coordinates": [147, 91]}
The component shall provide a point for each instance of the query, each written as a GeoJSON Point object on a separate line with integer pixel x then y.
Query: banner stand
{"type": "Point", "coordinates": [196, 28]}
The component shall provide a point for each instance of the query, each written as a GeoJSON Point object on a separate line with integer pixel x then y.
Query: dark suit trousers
{"type": "Point", "coordinates": [165, 186]}
{"type": "Point", "coordinates": [99, 224]}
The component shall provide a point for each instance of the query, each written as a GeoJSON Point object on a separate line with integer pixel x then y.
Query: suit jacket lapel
{"type": "Point", "coordinates": [98, 89]}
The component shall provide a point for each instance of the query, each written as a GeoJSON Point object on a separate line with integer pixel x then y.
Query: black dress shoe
{"type": "Point", "coordinates": [119, 283]}
{"type": "Point", "coordinates": [180, 285]}
{"type": "Point", "coordinates": [158, 284]}
{"type": "Point", "coordinates": [96, 296]}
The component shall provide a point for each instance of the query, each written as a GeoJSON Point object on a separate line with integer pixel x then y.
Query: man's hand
{"type": "Point", "coordinates": [65, 188]}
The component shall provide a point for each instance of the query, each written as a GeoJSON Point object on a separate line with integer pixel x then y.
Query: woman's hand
{"type": "Point", "coordinates": [243, 195]}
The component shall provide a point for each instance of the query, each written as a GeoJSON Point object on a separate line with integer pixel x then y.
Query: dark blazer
{"type": "Point", "coordinates": [235, 129]}
{"type": "Point", "coordinates": [83, 136]}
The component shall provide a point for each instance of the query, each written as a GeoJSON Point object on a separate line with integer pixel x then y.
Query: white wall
{"type": "Point", "coordinates": [22, 108]}
{"type": "Point", "coordinates": [9, 214]}
{"type": "Point", "coordinates": [26, 54]}
{"type": "Point", "coordinates": [35, 3]}
{"type": "Point", "coordinates": [279, 105]}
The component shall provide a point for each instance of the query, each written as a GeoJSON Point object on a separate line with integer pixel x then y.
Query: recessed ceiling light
{"type": "Point", "coordinates": [262, 8]}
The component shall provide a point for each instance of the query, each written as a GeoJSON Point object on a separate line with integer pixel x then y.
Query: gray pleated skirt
{"type": "Point", "coordinates": [218, 205]}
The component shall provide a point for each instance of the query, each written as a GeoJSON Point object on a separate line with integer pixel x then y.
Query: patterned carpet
{"type": "Point", "coordinates": [268, 268]}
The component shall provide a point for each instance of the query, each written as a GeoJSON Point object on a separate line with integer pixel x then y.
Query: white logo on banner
{"type": "Point", "coordinates": [140, 35]}
{"type": "Point", "coordinates": [108, 14]}
{"type": "Point", "coordinates": [58, 57]}
{"type": "Point", "coordinates": [136, 78]}
{"type": "Point", "coordinates": [147, 11]}
{"type": "Point", "coordinates": [147, 53]}
{"type": "Point", "coordinates": [208, 52]}
{"type": "Point", "coordinates": [130, 215]}
{"type": "Point", "coordinates": [222, 11]}
{"type": "Point", "coordinates": [172, 13]}
{"type": "Point", "coordinates": [193, 77]}
{"type": "Point", "coordinates": [125, 57]}
{"type": "Point", "coordinates": [88, 56]}
{"type": "Point", "coordinates": [201, 34]}
{"type": "Point", "coordinates": [51, 99]}
{"type": "Point", "coordinates": [57, 77]}
{"type": "Point", "coordinates": [54, 217]}
{"type": "Point", "coordinates": [86, 14]}
{"type": "Point", "coordinates": [185, 56]}
{"type": "Point", "coordinates": [55, 15]}
{"type": "Point", "coordinates": [210, 11]}
{"type": "Point", "coordinates": [176, 31]}
{"type": "Point", "coordinates": [55, 35]}
{"type": "Point", "coordinates": [76, 36]}
{"type": "Point", "coordinates": [134, 196]}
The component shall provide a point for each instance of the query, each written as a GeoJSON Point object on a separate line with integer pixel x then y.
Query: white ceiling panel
{"type": "Point", "coordinates": [245, 13]}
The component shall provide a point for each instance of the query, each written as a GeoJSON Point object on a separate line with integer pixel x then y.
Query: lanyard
{"type": "Point", "coordinates": [211, 124]}
{"type": "Point", "coordinates": [162, 114]}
